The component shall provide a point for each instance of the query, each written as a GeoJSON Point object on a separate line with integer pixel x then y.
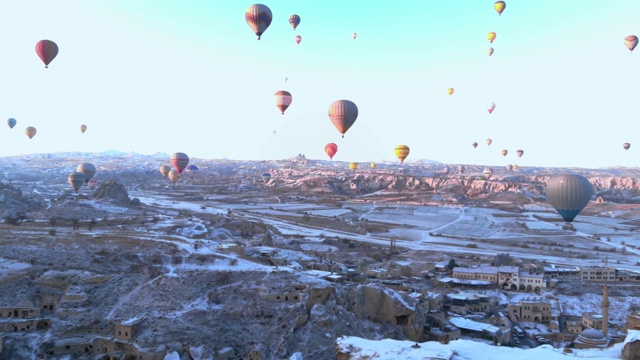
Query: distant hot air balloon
{"type": "Point", "coordinates": [266, 177]}
{"type": "Point", "coordinates": [174, 176]}
{"type": "Point", "coordinates": [331, 149]}
{"type": "Point", "coordinates": [631, 42]}
{"type": "Point", "coordinates": [520, 153]}
{"type": "Point", "coordinates": [88, 169]}
{"type": "Point", "coordinates": [626, 146]}
{"type": "Point", "coordinates": [461, 169]}
{"type": "Point", "coordinates": [474, 144]}
{"type": "Point", "coordinates": [509, 167]}
{"type": "Point", "coordinates": [191, 169]}
{"type": "Point", "coordinates": [259, 18]}
{"type": "Point", "coordinates": [92, 184]}
{"type": "Point", "coordinates": [499, 6]}
{"type": "Point", "coordinates": [491, 36]}
{"type": "Point", "coordinates": [516, 167]}
{"type": "Point", "coordinates": [569, 194]}
{"type": "Point", "coordinates": [164, 170]}
{"type": "Point", "coordinates": [354, 36]}
{"type": "Point", "coordinates": [343, 113]}
{"type": "Point", "coordinates": [297, 39]}
{"type": "Point", "coordinates": [76, 180]}
{"type": "Point", "coordinates": [294, 20]}
{"type": "Point", "coordinates": [504, 152]}
{"type": "Point", "coordinates": [490, 51]}
{"type": "Point", "coordinates": [179, 161]}
{"type": "Point", "coordinates": [401, 151]}
{"type": "Point", "coordinates": [487, 172]}
{"type": "Point", "coordinates": [30, 131]}
{"type": "Point", "coordinates": [450, 91]}
{"type": "Point", "coordinates": [283, 100]}
{"type": "Point", "coordinates": [489, 141]}
{"type": "Point", "coordinates": [491, 107]}
{"type": "Point", "coordinates": [11, 122]}
{"type": "Point", "coordinates": [83, 128]}
{"type": "Point", "coordinates": [47, 51]}
{"type": "Point", "coordinates": [373, 165]}
{"type": "Point", "coordinates": [353, 166]}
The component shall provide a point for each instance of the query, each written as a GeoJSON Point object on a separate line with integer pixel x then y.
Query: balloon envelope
{"type": "Point", "coordinates": [626, 146]}
{"type": "Point", "coordinates": [490, 51]}
{"type": "Point", "coordinates": [331, 149]}
{"type": "Point", "coordinates": [353, 165]}
{"type": "Point", "coordinates": [283, 99]}
{"type": "Point", "coordinates": [297, 39]}
{"type": "Point", "coordinates": [569, 194]}
{"type": "Point", "coordinates": [76, 180]}
{"type": "Point", "coordinates": [83, 128]}
{"type": "Point", "coordinates": [474, 144]}
{"type": "Point", "coordinates": [491, 107]}
{"type": "Point", "coordinates": [372, 165]}
{"type": "Point", "coordinates": [487, 172]}
{"type": "Point", "coordinates": [174, 176]}
{"type": "Point", "coordinates": [504, 152]}
{"type": "Point", "coordinates": [401, 151]}
{"type": "Point", "coordinates": [489, 141]}
{"type": "Point", "coordinates": [30, 131]}
{"type": "Point", "coordinates": [191, 168]}
{"type": "Point", "coordinates": [47, 50]}
{"type": "Point", "coordinates": [179, 161]}
{"type": "Point", "coordinates": [88, 169]}
{"type": "Point", "coordinates": [259, 18]}
{"type": "Point", "coordinates": [164, 170]}
{"type": "Point", "coordinates": [491, 36]}
{"type": "Point", "coordinates": [343, 113]}
{"type": "Point", "coordinates": [294, 20]}
{"type": "Point", "coordinates": [520, 153]}
{"type": "Point", "coordinates": [631, 42]}
{"type": "Point", "coordinates": [499, 6]}
{"type": "Point", "coordinates": [11, 122]}
{"type": "Point", "coordinates": [354, 36]}
{"type": "Point", "coordinates": [450, 91]}
{"type": "Point", "coordinates": [266, 177]}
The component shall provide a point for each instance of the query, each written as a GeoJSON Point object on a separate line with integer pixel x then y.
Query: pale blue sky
{"type": "Point", "coordinates": [190, 76]}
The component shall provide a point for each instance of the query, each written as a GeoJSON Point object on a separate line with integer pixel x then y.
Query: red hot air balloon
{"type": "Point", "coordinates": [47, 51]}
{"type": "Point", "coordinates": [343, 114]}
{"type": "Point", "coordinates": [331, 149]}
{"type": "Point", "coordinates": [259, 18]}
{"type": "Point", "coordinates": [179, 161]}
{"type": "Point", "coordinates": [283, 100]}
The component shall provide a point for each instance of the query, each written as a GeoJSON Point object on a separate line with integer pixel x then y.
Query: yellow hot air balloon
{"type": "Point", "coordinates": [30, 131]}
{"type": "Point", "coordinates": [490, 51]}
{"type": "Point", "coordinates": [491, 36]}
{"type": "Point", "coordinates": [373, 165]}
{"type": "Point", "coordinates": [83, 128]}
{"type": "Point", "coordinates": [499, 6]}
{"type": "Point", "coordinates": [516, 167]}
{"type": "Point", "coordinates": [353, 166]}
{"type": "Point", "coordinates": [401, 151]}
{"type": "Point", "coordinates": [450, 91]}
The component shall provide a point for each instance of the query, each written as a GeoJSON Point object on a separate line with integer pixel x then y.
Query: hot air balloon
{"type": "Point", "coordinates": [450, 91]}
{"type": "Point", "coordinates": [294, 20]}
{"type": "Point", "coordinates": [509, 167]}
{"type": "Point", "coordinates": [401, 151]}
{"type": "Point", "coordinates": [76, 180]}
{"type": "Point", "coordinates": [461, 169]}
{"type": "Point", "coordinates": [499, 6]}
{"type": "Point", "coordinates": [516, 167]}
{"type": "Point", "coordinates": [491, 107]}
{"type": "Point", "coordinates": [489, 141]}
{"type": "Point", "coordinates": [164, 170]}
{"type": "Point", "coordinates": [343, 113]}
{"type": "Point", "coordinates": [373, 165]}
{"type": "Point", "coordinates": [491, 36]}
{"type": "Point", "coordinates": [266, 177]}
{"type": "Point", "coordinates": [446, 170]}
{"type": "Point", "coordinates": [47, 51]}
{"type": "Point", "coordinates": [631, 42]}
{"type": "Point", "coordinates": [490, 51]}
{"type": "Point", "coordinates": [11, 122]}
{"type": "Point", "coordinates": [174, 176]}
{"type": "Point", "coordinates": [30, 131]}
{"type": "Point", "coordinates": [259, 18]}
{"type": "Point", "coordinates": [626, 146]}
{"type": "Point", "coordinates": [331, 149]}
{"type": "Point", "coordinates": [474, 144]}
{"type": "Point", "coordinates": [179, 161]}
{"type": "Point", "coordinates": [569, 194]}
{"type": "Point", "coordinates": [92, 184]}
{"type": "Point", "coordinates": [353, 166]}
{"type": "Point", "coordinates": [520, 153]}
{"type": "Point", "coordinates": [83, 128]}
{"type": "Point", "coordinates": [88, 169]}
{"type": "Point", "coordinates": [283, 100]}
{"type": "Point", "coordinates": [504, 152]}
{"type": "Point", "coordinates": [191, 169]}
{"type": "Point", "coordinates": [487, 172]}
{"type": "Point", "coordinates": [354, 36]}
{"type": "Point", "coordinates": [297, 39]}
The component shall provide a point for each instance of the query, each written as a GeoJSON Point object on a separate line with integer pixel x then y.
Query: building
{"type": "Point", "coordinates": [633, 322]}
{"type": "Point", "coordinates": [534, 309]}
{"type": "Point", "coordinates": [23, 310]}
{"type": "Point", "coordinates": [508, 277]}
{"type": "Point", "coordinates": [591, 338]}
{"type": "Point", "coordinates": [573, 327]}
{"type": "Point", "coordinates": [125, 330]}
{"type": "Point", "coordinates": [481, 330]}
{"type": "Point", "coordinates": [463, 303]}
{"type": "Point", "coordinates": [553, 272]}
{"type": "Point", "coordinates": [597, 274]}
{"type": "Point", "coordinates": [440, 330]}
{"type": "Point", "coordinates": [531, 281]}
{"type": "Point", "coordinates": [592, 320]}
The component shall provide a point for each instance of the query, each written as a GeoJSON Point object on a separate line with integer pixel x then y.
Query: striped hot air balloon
{"type": "Point", "coordinates": [47, 50]}
{"type": "Point", "coordinates": [259, 18]}
{"type": "Point", "coordinates": [343, 114]}
{"type": "Point", "coordinates": [499, 6]}
{"type": "Point", "coordinates": [283, 99]}
{"type": "Point", "coordinates": [294, 20]}
{"type": "Point", "coordinates": [569, 194]}
{"type": "Point", "coordinates": [179, 161]}
{"type": "Point", "coordinates": [331, 149]}
{"type": "Point", "coordinates": [401, 151]}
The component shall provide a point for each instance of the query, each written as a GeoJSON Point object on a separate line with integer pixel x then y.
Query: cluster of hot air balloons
{"type": "Point", "coordinates": [180, 162]}
{"type": "Point", "coordinates": [83, 176]}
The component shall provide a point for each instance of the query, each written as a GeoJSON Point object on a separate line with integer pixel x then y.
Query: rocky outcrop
{"type": "Point", "coordinates": [111, 190]}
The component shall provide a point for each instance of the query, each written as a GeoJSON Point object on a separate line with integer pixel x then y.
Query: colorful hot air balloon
{"type": "Point", "coordinates": [520, 153]}
{"type": "Point", "coordinates": [92, 184]}
{"type": "Point", "coordinates": [11, 122]}
{"type": "Point", "coordinates": [343, 113]}
{"type": "Point", "coordinates": [474, 144]}
{"type": "Point", "coordinates": [259, 18]}
{"type": "Point", "coordinates": [354, 36]}
{"type": "Point", "coordinates": [489, 141]}
{"type": "Point", "coordinates": [83, 128]}
{"type": "Point", "coordinates": [491, 107]}
{"type": "Point", "coordinates": [569, 194]}
{"type": "Point", "coordinates": [491, 36]}
{"type": "Point", "coordinates": [450, 91]}
{"type": "Point", "coordinates": [294, 20]}
{"type": "Point", "coordinates": [373, 165]}
{"type": "Point", "coordinates": [266, 177]}
{"type": "Point", "coordinates": [626, 146]}
{"type": "Point", "coordinates": [174, 176]}
{"type": "Point", "coordinates": [76, 180]}
{"type": "Point", "coordinates": [499, 6]}
{"type": "Point", "coordinates": [283, 100]}
{"type": "Point", "coordinates": [179, 161]}
{"type": "Point", "coordinates": [164, 170]}
{"type": "Point", "coordinates": [297, 39]}
{"type": "Point", "coordinates": [461, 169]}
{"type": "Point", "coordinates": [30, 131]}
{"type": "Point", "coordinates": [401, 151]}
{"type": "Point", "coordinates": [631, 42]}
{"type": "Point", "coordinates": [487, 172]}
{"type": "Point", "coordinates": [490, 51]}
{"type": "Point", "coordinates": [47, 51]}
{"type": "Point", "coordinates": [88, 169]}
{"type": "Point", "coordinates": [331, 149]}
{"type": "Point", "coordinates": [504, 152]}
{"type": "Point", "coordinates": [353, 166]}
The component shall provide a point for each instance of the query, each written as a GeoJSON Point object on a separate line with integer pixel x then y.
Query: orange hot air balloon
{"type": "Point", "coordinates": [474, 144]}
{"type": "Point", "coordinates": [499, 6]}
{"type": "Point", "coordinates": [450, 91]}
{"type": "Point", "coordinates": [491, 107]}
{"type": "Point", "coordinates": [520, 153]}
{"type": "Point", "coordinates": [401, 151]}
{"type": "Point", "coordinates": [504, 152]}
{"type": "Point", "coordinates": [353, 166]}
{"type": "Point", "coordinates": [631, 42]}
{"type": "Point", "coordinates": [490, 51]}
{"type": "Point", "coordinates": [489, 141]}
{"type": "Point", "coordinates": [626, 146]}
{"type": "Point", "coordinates": [283, 100]}
{"type": "Point", "coordinates": [491, 36]}
{"type": "Point", "coordinates": [30, 131]}
{"type": "Point", "coordinates": [83, 128]}
{"type": "Point", "coordinates": [297, 39]}
{"type": "Point", "coordinates": [331, 149]}
{"type": "Point", "coordinates": [343, 113]}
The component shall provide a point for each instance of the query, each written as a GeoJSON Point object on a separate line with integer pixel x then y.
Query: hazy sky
{"type": "Point", "coordinates": [190, 76]}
